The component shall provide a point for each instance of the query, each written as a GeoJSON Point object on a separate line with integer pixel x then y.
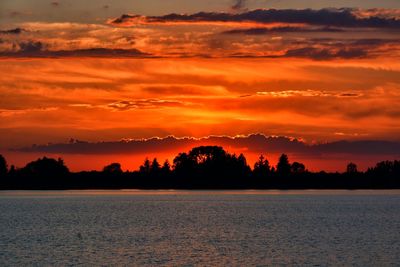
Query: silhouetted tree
{"type": "Point", "coordinates": [204, 167]}
{"type": "Point", "coordinates": [114, 168]}
{"type": "Point", "coordinates": [207, 154]}
{"type": "Point", "coordinates": [12, 171]}
{"type": "Point", "coordinates": [242, 160]}
{"type": "Point", "coordinates": [211, 163]}
{"type": "Point", "coordinates": [240, 168]}
{"type": "Point", "coordinates": [145, 168]}
{"type": "Point", "coordinates": [283, 166]}
{"type": "Point", "coordinates": [273, 170]}
{"type": "Point", "coordinates": [46, 168]}
{"type": "Point", "coordinates": [261, 167]}
{"type": "Point", "coordinates": [3, 166]}
{"type": "Point", "coordinates": [351, 168]}
{"type": "Point", "coordinates": [385, 169]}
{"type": "Point", "coordinates": [166, 167]}
{"type": "Point", "coordinates": [183, 163]}
{"type": "Point", "coordinates": [297, 168]}
{"type": "Point", "coordinates": [155, 166]}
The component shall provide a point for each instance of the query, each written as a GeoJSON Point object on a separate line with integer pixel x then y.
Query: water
{"type": "Point", "coordinates": [200, 228]}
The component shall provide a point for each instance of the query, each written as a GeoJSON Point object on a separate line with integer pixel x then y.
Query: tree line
{"type": "Point", "coordinates": [203, 167]}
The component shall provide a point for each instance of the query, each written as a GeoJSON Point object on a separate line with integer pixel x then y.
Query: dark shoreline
{"type": "Point", "coordinates": [143, 188]}
{"type": "Point", "coordinates": [203, 168]}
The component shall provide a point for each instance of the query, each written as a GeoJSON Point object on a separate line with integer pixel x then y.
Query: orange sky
{"type": "Point", "coordinates": [95, 99]}
{"type": "Point", "coordinates": [110, 99]}
{"type": "Point", "coordinates": [140, 79]}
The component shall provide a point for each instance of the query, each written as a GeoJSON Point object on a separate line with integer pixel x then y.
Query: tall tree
{"type": "Point", "coordinates": [155, 166]}
{"type": "Point", "coordinates": [3, 166]}
{"type": "Point", "coordinates": [261, 167]}
{"type": "Point", "coordinates": [283, 166]}
{"type": "Point", "coordinates": [351, 168]}
{"type": "Point", "coordinates": [145, 167]}
{"type": "Point", "coordinates": [166, 167]}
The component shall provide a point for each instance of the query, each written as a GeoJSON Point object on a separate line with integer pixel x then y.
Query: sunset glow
{"type": "Point", "coordinates": [224, 72]}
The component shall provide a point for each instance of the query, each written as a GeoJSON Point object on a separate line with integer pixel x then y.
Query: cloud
{"type": "Point", "coordinates": [307, 99]}
{"type": "Point", "coordinates": [142, 104]}
{"type": "Point", "coordinates": [344, 17]}
{"type": "Point", "coordinates": [346, 48]}
{"type": "Point", "coordinates": [31, 47]}
{"type": "Point", "coordinates": [36, 49]}
{"type": "Point", "coordinates": [99, 52]}
{"type": "Point", "coordinates": [378, 12]}
{"type": "Point", "coordinates": [349, 95]}
{"type": "Point", "coordinates": [287, 29]}
{"type": "Point", "coordinates": [12, 31]}
{"type": "Point", "coordinates": [244, 39]}
{"type": "Point", "coordinates": [324, 54]}
{"type": "Point", "coordinates": [256, 143]}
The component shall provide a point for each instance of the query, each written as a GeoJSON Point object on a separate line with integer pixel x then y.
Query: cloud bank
{"type": "Point", "coordinates": [12, 31]}
{"type": "Point", "coordinates": [256, 143]}
{"type": "Point", "coordinates": [332, 17]}
{"type": "Point", "coordinates": [37, 49]}
{"type": "Point", "coordinates": [324, 34]}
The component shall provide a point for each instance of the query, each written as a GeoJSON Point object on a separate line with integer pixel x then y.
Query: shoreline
{"type": "Point", "coordinates": [183, 192]}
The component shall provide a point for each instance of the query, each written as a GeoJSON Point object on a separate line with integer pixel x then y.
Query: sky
{"type": "Point", "coordinates": [106, 72]}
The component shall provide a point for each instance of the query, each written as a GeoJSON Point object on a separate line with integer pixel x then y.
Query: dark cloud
{"type": "Point", "coordinates": [350, 53]}
{"type": "Point", "coordinates": [256, 143]}
{"type": "Point", "coordinates": [324, 53]}
{"type": "Point", "coordinates": [124, 17]}
{"type": "Point", "coordinates": [36, 49]}
{"type": "Point", "coordinates": [349, 95]}
{"type": "Point", "coordinates": [99, 52]}
{"type": "Point", "coordinates": [347, 42]}
{"type": "Point", "coordinates": [250, 31]}
{"type": "Point", "coordinates": [261, 31]}
{"type": "Point", "coordinates": [328, 52]}
{"type": "Point", "coordinates": [344, 17]}
{"type": "Point", "coordinates": [327, 48]}
{"type": "Point", "coordinates": [30, 47]}
{"type": "Point", "coordinates": [55, 3]}
{"type": "Point", "coordinates": [12, 31]}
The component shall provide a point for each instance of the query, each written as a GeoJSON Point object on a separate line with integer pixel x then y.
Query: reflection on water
{"type": "Point", "coordinates": [200, 228]}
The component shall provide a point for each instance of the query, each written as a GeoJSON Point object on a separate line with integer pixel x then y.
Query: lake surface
{"type": "Point", "coordinates": [249, 228]}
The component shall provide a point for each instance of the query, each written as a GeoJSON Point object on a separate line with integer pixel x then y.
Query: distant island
{"type": "Point", "coordinates": [203, 167]}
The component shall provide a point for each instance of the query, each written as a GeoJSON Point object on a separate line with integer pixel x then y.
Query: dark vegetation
{"type": "Point", "coordinates": [204, 167]}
